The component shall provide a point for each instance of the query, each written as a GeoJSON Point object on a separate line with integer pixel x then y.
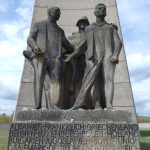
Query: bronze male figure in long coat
{"type": "Point", "coordinates": [48, 38]}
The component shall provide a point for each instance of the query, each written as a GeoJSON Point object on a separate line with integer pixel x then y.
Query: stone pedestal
{"type": "Point", "coordinates": [73, 130]}
{"type": "Point", "coordinates": [75, 115]}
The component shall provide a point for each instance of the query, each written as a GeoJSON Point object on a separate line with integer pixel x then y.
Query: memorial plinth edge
{"type": "Point", "coordinates": [76, 115]}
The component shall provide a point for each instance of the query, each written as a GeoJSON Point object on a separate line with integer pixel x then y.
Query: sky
{"type": "Point", "coordinates": [15, 20]}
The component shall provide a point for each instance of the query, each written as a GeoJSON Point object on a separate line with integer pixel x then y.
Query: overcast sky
{"type": "Point", "coordinates": [15, 18]}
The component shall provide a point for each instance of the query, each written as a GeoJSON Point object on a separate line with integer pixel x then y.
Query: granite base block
{"type": "Point", "coordinates": [76, 115]}
{"type": "Point", "coordinates": [73, 136]}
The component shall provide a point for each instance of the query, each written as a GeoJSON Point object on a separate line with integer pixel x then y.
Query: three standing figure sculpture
{"type": "Point", "coordinates": [60, 65]}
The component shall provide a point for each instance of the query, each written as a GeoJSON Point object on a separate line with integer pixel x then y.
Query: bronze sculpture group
{"type": "Point", "coordinates": [77, 72]}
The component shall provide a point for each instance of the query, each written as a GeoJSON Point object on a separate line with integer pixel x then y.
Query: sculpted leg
{"type": "Point", "coordinates": [36, 80]}
{"type": "Point", "coordinates": [54, 71]}
{"type": "Point", "coordinates": [109, 70]}
{"type": "Point", "coordinates": [55, 93]}
{"type": "Point", "coordinates": [36, 62]}
{"type": "Point", "coordinates": [95, 94]}
{"type": "Point", "coordinates": [90, 75]}
{"type": "Point", "coordinates": [109, 88]}
{"type": "Point", "coordinates": [47, 91]}
{"type": "Point", "coordinates": [42, 78]}
{"type": "Point", "coordinates": [37, 74]}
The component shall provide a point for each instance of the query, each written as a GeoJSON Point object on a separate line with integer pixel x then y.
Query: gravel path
{"type": "Point", "coordinates": [144, 126]}
{"type": "Point", "coordinates": [4, 127]}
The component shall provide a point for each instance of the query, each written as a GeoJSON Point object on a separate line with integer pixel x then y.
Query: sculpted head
{"type": "Point", "coordinates": [53, 13]}
{"type": "Point", "coordinates": [100, 10]}
{"type": "Point", "coordinates": [82, 23]}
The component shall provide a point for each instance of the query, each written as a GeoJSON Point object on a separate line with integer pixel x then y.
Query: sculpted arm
{"type": "Point", "coordinates": [117, 46]}
{"type": "Point", "coordinates": [79, 51]}
{"type": "Point", "coordinates": [31, 40]}
{"type": "Point", "coordinates": [65, 43]}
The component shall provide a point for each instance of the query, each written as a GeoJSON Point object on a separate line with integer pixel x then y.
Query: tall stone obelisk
{"type": "Point", "coordinates": [71, 11]}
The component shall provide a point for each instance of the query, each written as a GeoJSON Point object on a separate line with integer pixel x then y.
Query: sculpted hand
{"type": "Point", "coordinates": [68, 58]}
{"type": "Point", "coordinates": [37, 50]}
{"type": "Point", "coordinates": [114, 59]}
{"type": "Point", "coordinates": [27, 54]}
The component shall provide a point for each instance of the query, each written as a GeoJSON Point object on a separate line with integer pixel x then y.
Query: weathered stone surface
{"type": "Point", "coordinates": [39, 115]}
{"type": "Point", "coordinates": [73, 4]}
{"type": "Point", "coordinates": [131, 109]}
{"type": "Point", "coordinates": [26, 95]}
{"type": "Point", "coordinates": [76, 115]}
{"type": "Point", "coordinates": [121, 73]}
{"type": "Point", "coordinates": [121, 93]}
{"type": "Point", "coordinates": [70, 17]}
{"type": "Point", "coordinates": [122, 55]}
{"type": "Point", "coordinates": [69, 29]}
{"type": "Point", "coordinates": [73, 136]}
{"type": "Point", "coordinates": [27, 72]}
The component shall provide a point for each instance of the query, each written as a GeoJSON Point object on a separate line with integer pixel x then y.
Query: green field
{"type": "Point", "coordinates": [144, 140]}
{"type": "Point", "coordinates": [3, 140]}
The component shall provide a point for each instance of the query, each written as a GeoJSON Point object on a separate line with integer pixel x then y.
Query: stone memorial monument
{"type": "Point", "coordinates": [75, 91]}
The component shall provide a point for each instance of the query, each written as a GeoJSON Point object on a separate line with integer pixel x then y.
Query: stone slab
{"type": "Point", "coordinates": [70, 17]}
{"type": "Point", "coordinates": [73, 4]}
{"type": "Point", "coordinates": [122, 55]}
{"type": "Point", "coordinates": [26, 95]}
{"type": "Point", "coordinates": [121, 73]}
{"type": "Point", "coordinates": [123, 94]}
{"type": "Point", "coordinates": [73, 136]}
{"type": "Point", "coordinates": [76, 115]}
{"type": "Point", "coordinates": [131, 109]}
{"type": "Point", "coordinates": [28, 72]}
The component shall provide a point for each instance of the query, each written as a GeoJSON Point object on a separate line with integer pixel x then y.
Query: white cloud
{"type": "Point", "coordinates": [142, 96]}
{"type": "Point", "coordinates": [10, 30]}
{"type": "Point", "coordinates": [132, 12]}
{"type": "Point", "coordinates": [8, 90]}
{"type": "Point", "coordinates": [23, 12]}
{"type": "Point", "coordinates": [135, 22]}
{"type": "Point", "coordinates": [8, 106]}
{"type": "Point", "coordinates": [138, 66]}
{"type": "Point", "coordinates": [134, 17]}
{"type": "Point", "coordinates": [27, 3]}
{"type": "Point", "coordinates": [13, 35]}
{"type": "Point", "coordinates": [141, 91]}
{"type": "Point", "coordinates": [11, 48]}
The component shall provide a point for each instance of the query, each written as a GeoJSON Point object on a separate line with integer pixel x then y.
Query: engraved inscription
{"type": "Point", "coordinates": [73, 136]}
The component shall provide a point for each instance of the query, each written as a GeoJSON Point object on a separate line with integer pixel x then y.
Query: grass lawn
{"type": "Point", "coordinates": [3, 140]}
{"type": "Point", "coordinates": [144, 140]}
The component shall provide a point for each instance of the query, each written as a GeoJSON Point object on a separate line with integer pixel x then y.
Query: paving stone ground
{"type": "Point", "coordinates": [4, 127]}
